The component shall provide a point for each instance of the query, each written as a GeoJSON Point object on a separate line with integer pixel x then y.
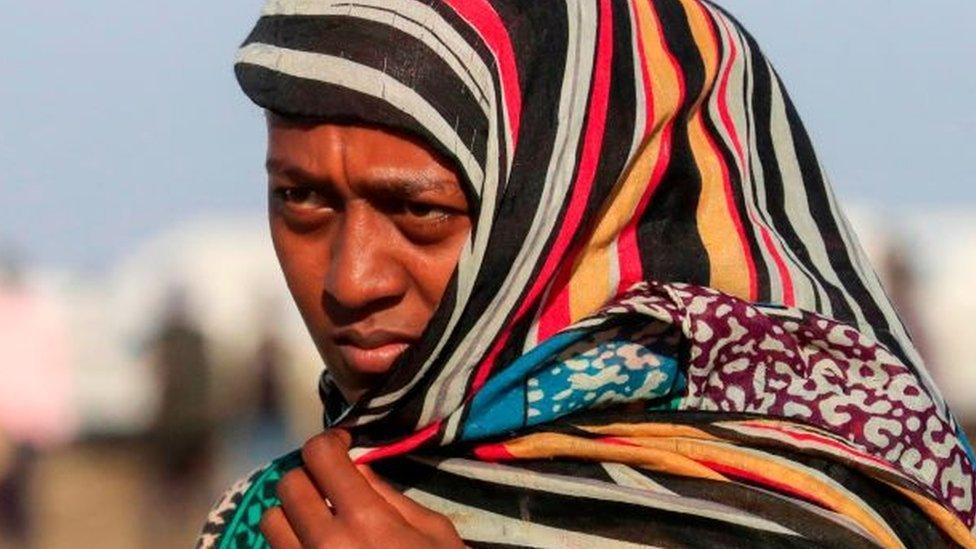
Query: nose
{"type": "Point", "coordinates": [364, 275]}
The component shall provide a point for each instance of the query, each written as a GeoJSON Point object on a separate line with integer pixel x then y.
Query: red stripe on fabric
{"type": "Point", "coordinates": [556, 314]}
{"type": "Point", "coordinates": [755, 478]}
{"type": "Point", "coordinates": [616, 441]}
{"type": "Point", "coordinates": [726, 179]}
{"type": "Point", "coordinates": [723, 106]}
{"type": "Point", "coordinates": [789, 299]}
{"type": "Point", "coordinates": [805, 437]}
{"type": "Point", "coordinates": [402, 447]}
{"type": "Point", "coordinates": [645, 75]}
{"type": "Point", "coordinates": [487, 23]}
{"type": "Point", "coordinates": [631, 267]}
{"type": "Point", "coordinates": [493, 452]}
{"type": "Point", "coordinates": [581, 191]}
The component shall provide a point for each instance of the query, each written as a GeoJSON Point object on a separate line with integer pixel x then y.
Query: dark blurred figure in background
{"type": "Point", "coordinates": [35, 410]}
{"type": "Point", "coordinates": [181, 436]}
{"type": "Point", "coordinates": [899, 272]}
{"type": "Point", "coordinates": [268, 432]}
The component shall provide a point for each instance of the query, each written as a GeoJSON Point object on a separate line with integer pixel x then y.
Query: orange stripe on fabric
{"type": "Point", "coordinates": [758, 466]}
{"type": "Point", "coordinates": [942, 517]}
{"type": "Point", "coordinates": [647, 430]}
{"type": "Point", "coordinates": [556, 313]}
{"type": "Point", "coordinates": [553, 445]}
{"type": "Point", "coordinates": [719, 224]}
{"type": "Point", "coordinates": [590, 286]}
{"type": "Point", "coordinates": [723, 104]}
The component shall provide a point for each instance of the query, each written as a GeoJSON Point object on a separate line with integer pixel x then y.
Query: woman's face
{"type": "Point", "coordinates": [368, 226]}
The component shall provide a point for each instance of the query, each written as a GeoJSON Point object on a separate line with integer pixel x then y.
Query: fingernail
{"type": "Point", "coordinates": [343, 435]}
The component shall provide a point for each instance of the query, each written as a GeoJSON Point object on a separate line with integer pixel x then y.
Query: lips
{"type": "Point", "coordinates": [376, 360]}
{"type": "Point", "coordinates": [372, 352]}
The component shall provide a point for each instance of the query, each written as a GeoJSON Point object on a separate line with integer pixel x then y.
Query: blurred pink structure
{"type": "Point", "coordinates": [36, 406]}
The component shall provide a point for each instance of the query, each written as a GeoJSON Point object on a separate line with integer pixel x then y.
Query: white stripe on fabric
{"type": "Point", "coordinates": [368, 81]}
{"type": "Point", "coordinates": [797, 206]}
{"type": "Point", "coordinates": [803, 281]}
{"type": "Point", "coordinates": [448, 389]}
{"type": "Point", "coordinates": [580, 487]}
{"type": "Point", "coordinates": [754, 185]}
{"type": "Point", "coordinates": [640, 103]}
{"type": "Point", "coordinates": [432, 30]}
{"type": "Point", "coordinates": [738, 112]}
{"type": "Point", "coordinates": [478, 525]}
{"type": "Point", "coordinates": [859, 503]}
{"type": "Point", "coordinates": [807, 288]}
{"type": "Point", "coordinates": [626, 476]}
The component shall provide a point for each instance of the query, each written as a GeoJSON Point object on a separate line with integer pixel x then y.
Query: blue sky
{"type": "Point", "coordinates": [119, 119]}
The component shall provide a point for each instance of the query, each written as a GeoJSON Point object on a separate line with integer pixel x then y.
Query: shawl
{"type": "Point", "coordinates": [662, 330]}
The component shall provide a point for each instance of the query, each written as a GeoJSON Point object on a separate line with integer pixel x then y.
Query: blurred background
{"type": "Point", "coordinates": [149, 353]}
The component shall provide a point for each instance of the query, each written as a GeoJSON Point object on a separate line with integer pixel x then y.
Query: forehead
{"type": "Point", "coordinates": [322, 149]}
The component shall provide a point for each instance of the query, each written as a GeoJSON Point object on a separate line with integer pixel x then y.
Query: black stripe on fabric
{"type": "Point", "coordinates": [401, 56]}
{"type": "Point", "coordinates": [618, 132]}
{"type": "Point", "coordinates": [908, 522]}
{"type": "Point", "coordinates": [609, 519]}
{"type": "Point", "coordinates": [761, 131]}
{"type": "Point", "coordinates": [775, 188]}
{"type": "Point", "coordinates": [404, 421]}
{"type": "Point", "coordinates": [670, 244]}
{"type": "Point", "coordinates": [768, 505]}
{"type": "Point", "coordinates": [508, 354]}
{"type": "Point", "coordinates": [477, 43]}
{"type": "Point", "coordinates": [520, 198]}
{"type": "Point", "coordinates": [292, 96]}
{"type": "Point", "coordinates": [837, 253]}
{"type": "Point", "coordinates": [737, 179]}
{"type": "Point", "coordinates": [568, 468]}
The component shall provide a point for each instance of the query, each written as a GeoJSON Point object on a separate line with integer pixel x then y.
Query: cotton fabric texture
{"type": "Point", "coordinates": [662, 330]}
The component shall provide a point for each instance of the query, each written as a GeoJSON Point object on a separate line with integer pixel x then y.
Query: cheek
{"type": "Point", "coordinates": [303, 266]}
{"type": "Point", "coordinates": [433, 266]}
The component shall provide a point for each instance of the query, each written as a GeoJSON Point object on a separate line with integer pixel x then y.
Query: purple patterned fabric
{"type": "Point", "coordinates": [793, 364]}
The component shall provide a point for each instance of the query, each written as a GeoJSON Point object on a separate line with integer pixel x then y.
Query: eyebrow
{"type": "Point", "coordinates": [403, 185]}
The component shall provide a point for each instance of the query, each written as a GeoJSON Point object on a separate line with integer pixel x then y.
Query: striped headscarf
{"type": "Point", "coordinates": [659, 281]}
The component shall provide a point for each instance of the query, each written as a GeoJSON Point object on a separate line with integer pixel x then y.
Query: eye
{"type": "Point", "coordinates": [301, 197]}
{"type": "Point", "coordinates": [426, 211]}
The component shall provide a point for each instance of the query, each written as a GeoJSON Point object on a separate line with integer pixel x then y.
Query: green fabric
{"type": "Point", "coordinates": [243, 529]}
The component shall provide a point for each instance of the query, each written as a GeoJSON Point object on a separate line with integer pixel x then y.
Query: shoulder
{"type": "Point", "coordinates": [233, 520]}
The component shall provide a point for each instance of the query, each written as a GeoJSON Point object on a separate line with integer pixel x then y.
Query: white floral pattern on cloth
{"type": "Point", "coordinates": [794, 364]}
{"type": "Point", "coordinates": [621, 364]}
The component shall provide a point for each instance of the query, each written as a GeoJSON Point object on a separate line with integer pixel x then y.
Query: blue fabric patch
{"type": "Point", "coordinates": [966, 446]}
{"type": "Point", "coordinates": [572, 371]}
{"type": "Point", "coordinates": [500, 405]}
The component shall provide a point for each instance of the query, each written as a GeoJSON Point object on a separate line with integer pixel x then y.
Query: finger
{"type": "Point", "coordinates": [412, 511]}
{"type": "Point", "coordinates": [303, 506]}
{"type": "Point", "coordinates": [327, 461]}
{"type": "Point", "coordinates": [431, 522]}
{"type": "Point", "coordinates": [277, 531]}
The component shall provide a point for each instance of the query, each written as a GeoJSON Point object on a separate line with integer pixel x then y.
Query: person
{"type": "Point", "coordinates": [577, 279]}
{"type": "Point", "coordinates": [182, 429]}
{"type": "Point", "coordinates": [36, 409]}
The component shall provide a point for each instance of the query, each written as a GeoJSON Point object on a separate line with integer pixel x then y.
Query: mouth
{"type": "Point", "coordinates": [376, 360]}
{"type": "Point", "coordinates": [372, 353]}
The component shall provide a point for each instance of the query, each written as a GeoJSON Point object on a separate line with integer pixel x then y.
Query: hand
{"type": "Point", "coordinates": [362, 510]}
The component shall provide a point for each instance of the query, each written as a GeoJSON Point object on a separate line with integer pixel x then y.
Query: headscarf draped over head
{"type": "Point", "coordinates": [658, 281]}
